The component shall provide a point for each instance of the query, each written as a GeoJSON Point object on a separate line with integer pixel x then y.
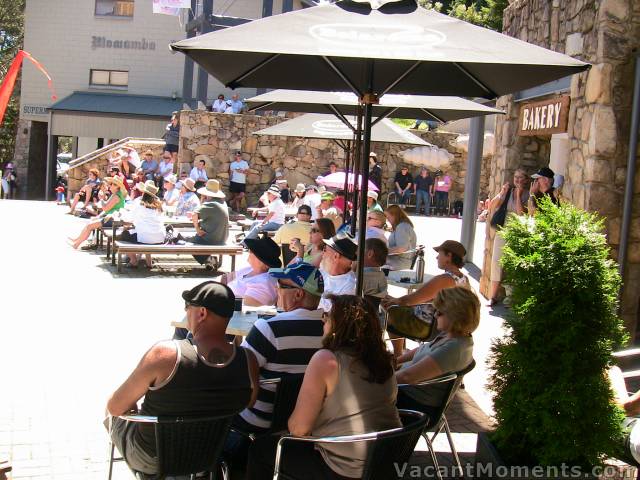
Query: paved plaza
{"type": "Point", "coordinates": [72, 328]}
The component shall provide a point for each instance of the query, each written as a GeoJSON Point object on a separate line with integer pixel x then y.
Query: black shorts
{"type": "Point", "coordinates": [171, 148]}
{"type": "Point", "coordinates": [235, 187]}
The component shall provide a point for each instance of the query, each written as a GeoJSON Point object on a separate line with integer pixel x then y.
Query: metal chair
{"type": "Point", "coordinates": [184, 445]}
{"type": "Point", "coordinates": [388, 448]}
{"type": "Point", "coordinates": [449, 384]}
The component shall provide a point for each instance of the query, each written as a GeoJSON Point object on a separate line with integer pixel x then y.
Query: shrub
{"type": "Point", "coordinates": [553, 401]}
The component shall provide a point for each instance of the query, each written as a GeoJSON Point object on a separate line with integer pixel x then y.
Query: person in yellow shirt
{"type": "Point", "coordinates": [300, 228]}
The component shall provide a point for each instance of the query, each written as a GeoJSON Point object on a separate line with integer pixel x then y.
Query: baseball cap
{"type": "Point", "coordinates": [305, 209]}
{"type": "Point", "coordinates": [344, 244]}
{"type": "Point", "coordinates": [213, 296]}
{"type": "Point", "coordinates": [303, 274]}
{"type": "Point", "coordinates": [452, 246]}
{"type": "Point", "coordinates": [544, 172]}
{"type": "Point", "coordinates": [327, 196]}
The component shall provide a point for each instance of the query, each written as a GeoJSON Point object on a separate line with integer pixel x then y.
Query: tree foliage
{"type": "Point", "coordinates": [11, 37]}
{"type": "Point", "coordinates": [553, 401]}
{"type": "Point", "coordinates": [486, 13]}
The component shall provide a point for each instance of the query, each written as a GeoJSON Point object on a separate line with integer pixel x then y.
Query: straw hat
{"type": "Point", "coordinates": [372, 194]}
{"type": "Point", "coordinates": [189, 184]}
{"type": "Point", "coordinates": [148, 187]}
{"type": "Point", "coordinates": [171, 179]}
{"type": "Point", "coordinates": [212, 189]}
{"type": "Point", "coordinates": [274, 190]}
{"type": "Point", "coordinates": [116, 181]}
{"type": "Point", "coordinates": [300, 188]}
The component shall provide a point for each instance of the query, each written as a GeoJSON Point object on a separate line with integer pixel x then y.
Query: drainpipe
{"type": "Point", "coordinates": [47, 185]}
{"type": "Point", "coordinates": [631, 172]}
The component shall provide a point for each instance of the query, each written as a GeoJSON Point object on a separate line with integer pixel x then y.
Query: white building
{"type": "Point", "coordinates": [113, 74]}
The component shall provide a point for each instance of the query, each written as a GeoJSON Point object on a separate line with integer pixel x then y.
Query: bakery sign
{"type": "Point", "coordinates": [545, 117]}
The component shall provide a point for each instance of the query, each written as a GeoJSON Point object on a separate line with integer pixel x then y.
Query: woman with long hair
{"type": "Point", "coordinates": [146, 217]}
{"type": "Point", "coordinates": [402, 240]}
{"type": "Point", "coordinates": [348, 388]}
{"type": "Point", "coordinates": [321, 229]}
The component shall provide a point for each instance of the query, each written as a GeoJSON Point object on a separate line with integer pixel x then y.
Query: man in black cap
{"type": "Point", "coordinates": [541, 185]}
{"type": "Point", "coordinates": [337, 260]}
{"type": "Point", "coordinates": [203, 375]}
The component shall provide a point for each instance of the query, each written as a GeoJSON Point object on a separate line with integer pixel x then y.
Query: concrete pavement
{"type": "Point", "coordinates": [72, 329]}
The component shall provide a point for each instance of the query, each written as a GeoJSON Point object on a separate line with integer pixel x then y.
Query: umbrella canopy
{"type": "Point", "coordinates": [315, 125]}
{"type": "Point", "coordinates": [338, 180]}
{"type": "Point", "coordinates": [398, 48]}
{"type": "Point", "coordinates": [440, 109]}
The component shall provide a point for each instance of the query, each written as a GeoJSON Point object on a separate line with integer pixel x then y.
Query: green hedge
{"type": "Point", "coordinates": [553, 401]}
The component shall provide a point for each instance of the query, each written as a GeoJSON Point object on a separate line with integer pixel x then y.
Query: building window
{"type": "Point", "coordinates": [114, 8]}
{"type": "Point", "coordinates": [109, 78]}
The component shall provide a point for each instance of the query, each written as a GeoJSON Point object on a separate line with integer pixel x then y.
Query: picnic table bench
{"type": "Point", "coordinates": [188, 249]}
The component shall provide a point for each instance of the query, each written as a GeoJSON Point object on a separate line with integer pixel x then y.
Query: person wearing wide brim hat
{"type": "Point", "coordinates": [253, 283]}
{"type": "Point", "coordinates": [148, 221]}
{"type": "Point", "coordinates": [211, 189]}
{"type": "Point", "coordinates": [211, 221]}
{"type": "Point", "coordinates": [188, 200]}
{"type": "Point", "coordinates": [275, 211]}
{"type": "Point", "coordinates": [298, 195]}
{"type": "Point", "coordinates": [117, 181]}
{"type": "Point", "coordinates": [339, 278]}
{"type": "Point", "coordinates": [148, 187]}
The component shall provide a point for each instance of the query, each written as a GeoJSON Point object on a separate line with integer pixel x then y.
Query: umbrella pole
{"type": "Point", "coordinates": [356, 170]}
{"type": "Point", "coordinates": [347, 152]}
{"type": "Point", "coordinates": [368, 99]}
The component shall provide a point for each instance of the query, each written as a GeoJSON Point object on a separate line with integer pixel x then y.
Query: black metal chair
{"type": "Point", "coordinates": [388, 448]}
{"type": "Point", "coordinates": [184, 445]}
{"type": "Point", "coordinates": [449, 385]}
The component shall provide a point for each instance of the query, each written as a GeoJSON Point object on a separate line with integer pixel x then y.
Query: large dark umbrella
{"type": "Point", "coordinates": [397, 48]}
{"type": "Point", "coordinates": [436, 108]}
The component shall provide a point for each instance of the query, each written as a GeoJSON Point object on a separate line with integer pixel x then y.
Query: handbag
{"type": "Point", "coordinates": [500, 215]}
{"type": "Point", "coordinates": [415, 323]}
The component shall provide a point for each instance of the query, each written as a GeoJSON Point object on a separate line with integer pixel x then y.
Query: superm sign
{"type": "Point", "coordinates": [544, 118]}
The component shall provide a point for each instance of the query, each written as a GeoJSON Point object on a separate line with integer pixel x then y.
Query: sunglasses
{"type": "Point", "coordinates": [284, 286]}
{"type": "Point", "coordinates": [438, 313]}
{"type": "Point", "coordinates": [314, 230]}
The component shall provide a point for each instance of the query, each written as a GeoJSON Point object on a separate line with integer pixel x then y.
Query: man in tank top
{"type": "Point", "coordinates": [204, 375]}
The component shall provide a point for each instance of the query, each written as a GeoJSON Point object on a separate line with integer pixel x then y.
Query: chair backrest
{"type": "Point", "coordinates": [287, 254]}
{"type": "Point", "coordinates": [389, 451]}
{"type": "Point", "coordinates": [441, 390]}
{"type": "Point", "coordinates": [285, 400]}
{"type": "Point", "coordinates": [375, 301]}
{"type": "Point", "coordinates": [187, 445]}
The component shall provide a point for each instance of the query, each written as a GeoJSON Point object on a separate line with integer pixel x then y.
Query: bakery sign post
{"type": "Point", "coordinates": [545, 117]}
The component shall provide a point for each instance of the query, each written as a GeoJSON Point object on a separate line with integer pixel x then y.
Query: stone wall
{"type": "Point", "coordinates": [604, 33]}
{"type": "Point", "coordinates": [214, 137]}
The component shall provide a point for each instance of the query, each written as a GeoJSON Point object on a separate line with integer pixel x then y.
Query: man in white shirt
{"type": "Point", "coordinates": [219, 105]}
{"type": "Point", "coordinates": [275, 214]}
{"type": "Point", "coordinates": [238, 170]}
{"type": "Point", "coordinates": [337, 260]}
{"type": "Point", "coordinates": [199, 174]}
{"type": "Point", "coordinates": [312, 198]}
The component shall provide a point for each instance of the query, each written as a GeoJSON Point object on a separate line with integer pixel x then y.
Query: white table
{"type": "Point", "coordinates": [240, 323]}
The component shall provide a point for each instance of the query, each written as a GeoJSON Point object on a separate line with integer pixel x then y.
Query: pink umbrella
{"type": "Point", "coordinates": [336, 180]}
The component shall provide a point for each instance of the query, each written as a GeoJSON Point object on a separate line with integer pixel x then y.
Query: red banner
{"type": "Point", "coordinates": [9, 81]}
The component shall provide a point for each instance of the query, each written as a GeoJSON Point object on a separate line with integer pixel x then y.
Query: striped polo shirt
{"type": "Point", "coordinates": [282, 344]}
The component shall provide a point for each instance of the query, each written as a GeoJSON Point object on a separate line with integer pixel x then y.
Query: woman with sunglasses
{"type": "Point", "coordinates": [348, 388]}
{"type": "Point", "coordinates": [458, 315]}
{"type": "Point", "coordinates": [322, 228]}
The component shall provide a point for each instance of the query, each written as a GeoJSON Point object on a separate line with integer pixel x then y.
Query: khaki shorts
{"type": "Point", "coordinates": [122, 434]}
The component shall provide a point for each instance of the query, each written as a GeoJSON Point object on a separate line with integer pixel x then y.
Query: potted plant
{"type": "Point", "coordinates": [553, 401]}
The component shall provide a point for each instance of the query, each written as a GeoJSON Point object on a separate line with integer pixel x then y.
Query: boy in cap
{"type": "Point", "coordinates": [175, 379]}
{"type": "Point", "coordinates": [329, 210]}
{"type": "Point", "coordinates": [299, 229]}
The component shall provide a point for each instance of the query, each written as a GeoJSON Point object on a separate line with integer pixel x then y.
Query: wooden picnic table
{"type": "Point", "coordinates": [240, 323]}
